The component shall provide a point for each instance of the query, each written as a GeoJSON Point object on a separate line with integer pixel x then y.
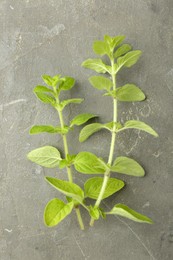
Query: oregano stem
{"type": "Point", "coordinates": [112, 146]}
{"type": "Point", "coordinates": [80, 221]}
{"type": "Point", "coordinates": [65, 146]}
{"type": "Point", "coordinates": [70, 177]}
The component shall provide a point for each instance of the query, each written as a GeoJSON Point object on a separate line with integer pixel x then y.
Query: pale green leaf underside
{"type": "Point", "coordinates": [47, 156]}
{"type": "Point", "coordinates": [122, 50]}
{"type": "Point", "coordinates": [42, 89]}
{"type": "Point", "coordinates": [128, 59]}
{"type": "Point", "coordinates": [81, 119]}
{"type": "Point", "coordinates": [66, 102]}
{"type": "Point", "coordinates": [93, 186]}
{"type": "Point", "coordinates": [127, 166]}
{"type": "Point", "coordinates": [100, 82]}
{"type": "Point", "coordinates": [124, 211]}
{"type": "Point", "coordinates": [55, 211]}
{"type": "Point", "coordinates": [88, 163]}
{"type": "Point", "coordinates": [97, 65]}
{"type": "Point", "coordinates": [140, 126]}
{"type": "Point", "coordinates": [129, 92]}
{"type": "Point", "coordinates": [67, 188]}
{"type": "Point", "coordinates": [88, 130]}
{"type": "Point", "coordinates": [37, 129]}
{"type": "Point", "coordinates": [45, 98]}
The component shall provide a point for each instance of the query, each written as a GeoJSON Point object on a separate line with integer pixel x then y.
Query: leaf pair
{"type": "Point", "coordinates": [128, 92]}
{"type": "Point", "coordinates": [128, 60]}
{"type": "Point", "coordinates": [89, 130]}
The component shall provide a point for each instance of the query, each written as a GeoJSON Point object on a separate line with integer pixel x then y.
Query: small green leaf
{"type": "Point", "coordinates": [117, 40]}
{"type": "Point", "coordinates": [100, 82]}
{"type": "Point", "coordinates": [100, 48]}
{"type": "Point", "coordinates": [122, 50]}
{"type": "Point", "coordinates": [47, 156]}
{"type": "Point", "coordinates": [140, 126]}
{"type": "Point", "coordinates": [127, 166]}
{"type": "Point", "coordinates": [113, 42]}
{"type": "Point", "coordinates": [94, 212]}
{"type": "Point", "coordinates": [88, 163]}
{"type": "Point", "coordinates": [97, 65]}
{"type": "Point", "coordinates": [69, 189]}
{"type": "Point", "coordinates": [45, 98]}
{"type": "Point", "coordinates": [81, 119]}
{"type": "Point", "coordinates": [66, 83]}
{"type": "Point", "coordinates": [128, 59]}
{"type": "Point", "coordinates": [55, 211]}
{"type": "Point", "coordinates": [37, 129]}
{"type": "Point", "coordinates": [42, 89]}
{"type": "Point", "coordinates": [51, 81]}
{"type": "Point", "coordinates": [63, 163]}
{"type": "Point", "coordinates": [129, 92]}
{"type": "Point", "coordinates": [93, 186]}
{"type": "Point", "coordinates": [47, 79]}
{"type": "Point", "coordinates": [124, 211]}
{"type": "Point", "coordinates": [66, 102]}
{"type": "Point", "coordinates": [88, 130]}
{"type": "Point", "coordinates": [68, 161]}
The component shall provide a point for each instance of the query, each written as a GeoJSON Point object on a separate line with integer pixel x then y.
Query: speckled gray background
{"type": "Point", "coordinates": [55, 36]}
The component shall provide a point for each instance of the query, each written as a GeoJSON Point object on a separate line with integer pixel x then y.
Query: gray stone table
{"type": "Point", "coordinates": [55, 36]}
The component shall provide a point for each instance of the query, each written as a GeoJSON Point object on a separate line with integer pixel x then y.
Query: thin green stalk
{"type": "Point", "coordinates": [65, 146]}
{"type": "Point", "coordinates": [80, 221]}
{"type": "Point", "coordinates": [112, 147]}
{"type": "Point", "coordinates": [69, 172]}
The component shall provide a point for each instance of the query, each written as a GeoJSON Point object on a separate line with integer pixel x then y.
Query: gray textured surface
{"type": "Point", "coordinates": [53, 37]}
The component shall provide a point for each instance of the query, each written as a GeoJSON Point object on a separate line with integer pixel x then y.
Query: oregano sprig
{"type": "Point", "coordinates": [48, 156]}
{"type": "Point", "coordinates": [125, 57]}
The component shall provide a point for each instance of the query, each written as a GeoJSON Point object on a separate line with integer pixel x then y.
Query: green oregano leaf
{"type": "Point", "coordinates": [55, 211]}
{"type": "Point", "coordinates": [45, 98]}
{"type": "Point", "coordinates": [92, 187]}
{"type": "Point", "coordinates": [51, 81]}
{"type": "Point", "coordinates": [42, 89]}
{"type": "Point", "coordinates": [100, 82]}
{"type": "Point", "coordinates": [128, 59]}
{"type": "Point", "coordinates": [129, 92]}
{"type": "Point", "coordinates": [47, 156]}
{"type": "Point", "coordinates": [100, 48]}
{"type": "Point", "coordinates": [127, 166]}
{"type": "Point", "coordinates": [66, 102]}
{"type": "Point", "coordinates": [97, 65]}
{"type": "Point", "coordinates": [140, 126]}
{"type": "Point", "coordinates": [67, 188]}
{"type": "Point", "coordinates": [124, 211]}
{"type": "Point", "coordinates": [37, 129]}
{"type": "Point", "coordinates": [88, 130]}
{"type": "Point", "coordinates": [113, 42]}
{"type": "Point", "coordinates": [122, 50]}
{"type": "Point", "coordinates": [66, 83]}
{"type": "Point", "coordinates": [81, 119]}
{"type": "Point", "coordinates": [88, 163]}
{"type": "Point", "coordinates": [94, 212]}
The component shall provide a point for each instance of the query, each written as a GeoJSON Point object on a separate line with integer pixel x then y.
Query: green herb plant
{"type": "Point", "coordinates": [96, 188]}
